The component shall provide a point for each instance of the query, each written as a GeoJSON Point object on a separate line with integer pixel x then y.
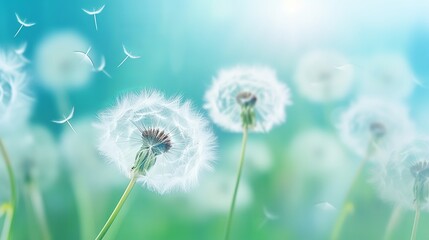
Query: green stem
{"type": "Point", "coordinates": [341, 217]}
{"type": "Point", "coordinates": [13, 194]}
{"type": "Point", "coordinates": [237, 183]}
{"type": "Point", "coordinates": [416, 223]}
{"type": "Point", "coordinates": [393, 221]}
{"type": "Point", "coordinates": [7, 223]}
{"type": "Point", "coordinates": [117, 208]}
{"type": "Point", "coordinates": [39, 210]}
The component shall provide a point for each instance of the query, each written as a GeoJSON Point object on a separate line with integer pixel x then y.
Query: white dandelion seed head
{"type": "Point", "coordinates": [324, 76]}
{"type": "Point", "coordinates": [58, 65]}
{"type": "Point", "coordinates": [213, 196]}
{"type": "Point", "coordinates": [319, 161]}
{"type": "Point", "coordinates": [258, 155]}
{"type": "Point", "coordinates": [370, 118]}
{"type": "Point", "coordinates": [395, 178]}
{"type": "Point", "coordinates": [34, 155]}
{"type": "Point", "coordinates": [83, 158]}
{"type": "Point", "coordinates": [271, 97]}
{"type": "Point", "coordinates": [389, 76]}
{"type": "Point", "coordinates": [15, 103]}
{"type": "Point", "coordinates": [190, 139]}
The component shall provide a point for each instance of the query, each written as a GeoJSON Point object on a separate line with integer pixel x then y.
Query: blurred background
{"type": "Point", "coordinates": [296, 175]}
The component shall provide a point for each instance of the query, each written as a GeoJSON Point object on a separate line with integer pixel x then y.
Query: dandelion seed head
{"type": "Point", "coordinates": [15, 103]}
{"type": "Point", "coordinates": [252, 87]}
{"type": "Point", "coordinates": [57, 64]}
{"type": "Point", "coordinates": [324, 76]}
{"type": "Point", "coordinates": [389, 76]}
{"type": "Point", "coordinates": [179, 137]}
{"type": "Point", "coordinates": [384, 123]}
{"type": "Point", "coordinates": [35, 155]}
{"type": "Point", "coordinates": [404, 178]}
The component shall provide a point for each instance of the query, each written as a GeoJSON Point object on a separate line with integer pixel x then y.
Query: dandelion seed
{"type": "Point", "coordinates": [325, 206]}
{"type": "Point", "coordinates": [102, 66]}
{"type": "Point", "coordinates": [128, 55]}
{"type": "Point", "coordinates": [164, 149]}
{"type": "Point", "coordinates": [324, 76]}
{"type": "Point", "coordinates": [66, 120]}
{"type": "Point", "coordinates": [94, 13]}
{"type": "Point", "coordinates": [23, 24]}
{"type": "Point", "coordinates": [57, 65]}
{"type": "Point", "coordinates": [247, 95]}
{"type": "Point", "coordinates": [20, 52]}
{"type": "Point", "coordinates": [85, 57]}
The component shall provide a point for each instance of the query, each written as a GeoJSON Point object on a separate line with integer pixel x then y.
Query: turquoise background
{"type": "Point", "coordinates": [182, 45]}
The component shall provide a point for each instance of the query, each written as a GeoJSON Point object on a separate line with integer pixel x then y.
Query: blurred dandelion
{"type": "Point", "coordinates": [20, 52]}
{"type": "Point", "coordinates": [23, 24]}
{"type": "Point", "coordinates": [58, 67]}
{"type": "Point", "coordinates": [102, 66]}
{"type": "Point", "coordinates": [403, 179]}
{"type": "Point", "coordinates": [235, 89]}
{"type": "Point", "coordinates": [372, 128]}
{"type": "Point", "coordinates": [94, 13]}
{"type": "Point", "coordinates": [82, 165]}
{"type": "Point", "coordinates": [242, 99]}
{"type": "Point", "coordinates": [389, 76]}
{"type": "Point", "coordinates": [382, 124]}
{"type": "Point", "coordinates": [268, 216]}
{"type": "Point", "coordinates": [162, 143]}
{"type": "Point", "coordinates": [324, 76]}
{"type": "Point", "coordinates": [128, 54]}
{"type": "Point", "coordinates": [36, 161]}
{"type": "Point", "coordinates": [15, 108]}
{"type": "Point", "coordinates": [213, 196]}
{"type": "Point", "coordinates": [259, 155]}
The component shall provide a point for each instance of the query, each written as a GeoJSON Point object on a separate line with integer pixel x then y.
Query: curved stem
{"type": "Point", "coordinates": [13, 195]}
{"type": "Point", "coordinates": [393, 221]}
{"type": "Point", "coordinates": [117, 208]}
{"type": "Point", "coordinates": [237, 183]}
{"type": "Point", "coordinates": [416, 223]}
{"type": "Point", "coordinates": [7, 223]}
{"type": "Point", "coordinates": [39, 210]}
{"type": "Point", "coordinates": [343, 213]}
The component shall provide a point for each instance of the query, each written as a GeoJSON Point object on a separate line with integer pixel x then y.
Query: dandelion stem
{"type": "Point", "coordinates": [39, 210]}
{"type": "Point", "coordinates": [7, 222]}
{"type": "Point", "coordinates": [393, 221]}
{"type": "Point", "coordinates": [342, 215]}
{"type": "Point", "coordinates": [117, 208]}
{"type": "Point", "coordinates": [416, 223]}
{"type": "Point", "coordinates": [237, 183]}
{"type": "Point", "coordinates": [12, 189]}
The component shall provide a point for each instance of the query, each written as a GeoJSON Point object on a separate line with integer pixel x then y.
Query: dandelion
{"type": "Point", "coordinates": [371, 127]}
{"type": "Point", "coordinates": [247, 95]}
{"type": "Point", "coordinates": [162, 143]}
{"type": "Point", "coordinates": [389, 76]}
{"type": "Point", "coordinates": [243, 99]}
{"type": "Point", "coordinates": [36, 161]}
{"type": "Point", "coordinates": [58, 66]}
{"type": "Point", "coordinates": [15, 108]}
{"type": "Point", "coordinates": [378, 123]}
{"type": "Point", "coordinates": [214, 193]}
{"type": "Point", "coordinates": [403, 179]}
{"type": "Point", "coordinates": [324, 76]}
